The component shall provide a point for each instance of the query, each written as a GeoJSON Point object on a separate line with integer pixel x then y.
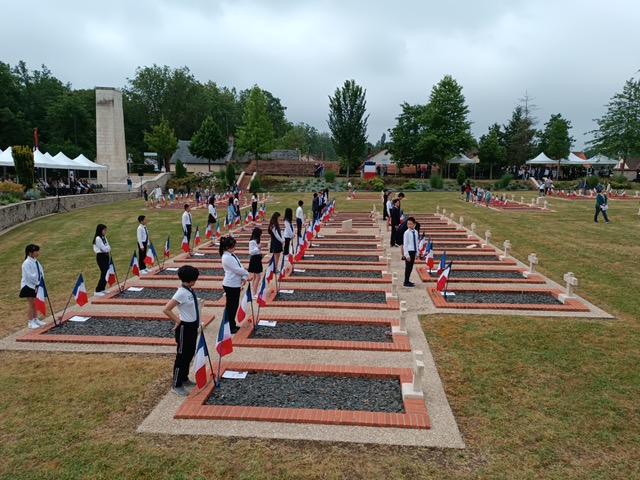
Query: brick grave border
{"type": "Point", "coordinates": [570, 305]}
{"type": "Point", "coordinates": [39, 335]}
{"type": "Point", "coordinates": [392, 302]}
{"type": "Point", "coordinates": [108, 299]}
{"type": "Point", "coordinates": [317, 259]}
{"type": "Point", "coordinates": [156, 277]}
{"type": "Point", "coordinates": [533, 279]}
{"type": "Point", "coordinates": [415, 415]}
{"type": "Point", "coordinates": [386, 277]}
{"type": "Point", "coordinates": [400, 342]}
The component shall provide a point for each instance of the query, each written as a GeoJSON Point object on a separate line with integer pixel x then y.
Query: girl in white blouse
{"type": "Point", "coordinates": [255, 261]}
{"type": "Point", "coordinates": [235, 276]}
{"type": "Point", "coordinates": [31, 274]}
{"type": "Point", "coordinates": [288, 230]}
{"type": "Point", "coordinates": [101, 248]}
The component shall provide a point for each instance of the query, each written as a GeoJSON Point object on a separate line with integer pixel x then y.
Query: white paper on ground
{"type": "Point", "coordinates": [198, 254]}
{"type": "Point", "coordinates": [267, 323]}
{"type": "Point", "coordinates": [448, 294]}
{"type": "Point", "coordinates": [286, 291]}
{"type": "Point", "coordinates": [135, 289]}
{"type": "Point", "coordinates": [234, 374]}
{"type": "Point", "coordinates": [78, 318]}
{"type": "Point", "coordinates": [298, 270]}
{"type": "Point", "coordinates": [171, 269]}
{"type": "Point", "coordinates": [306, 255]}
{"type": "Point", "coordinates": [315, 245]}
{"type": "Point", "coordinates": [473, 245]}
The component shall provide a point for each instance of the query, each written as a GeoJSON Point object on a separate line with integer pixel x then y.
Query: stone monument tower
{"type": "Point", "coordinates": [110, 144]}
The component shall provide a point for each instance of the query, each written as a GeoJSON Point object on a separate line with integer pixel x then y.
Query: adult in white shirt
{"type": "Point", "coordinates": [235, 276]}
{"type": "Point", "coordinates": [299, 219]}
{"type": "Point", "coordinates": [31, 274]}
{"type": "Point", "coordinates": [102, 249]}
{"type": "Point", "coordinates": [143, 242]}
{"type": "Point", "coordinates": [288, 230]}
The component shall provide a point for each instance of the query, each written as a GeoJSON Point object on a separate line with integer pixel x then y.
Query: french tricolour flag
{"type": "Point", "coordinates": [218, 234]}
{"type": "Point", "coordinates": [134, 264]}
{"type": "Point", "coordinates": [199, 364]}
{"type": "Point", "coordinates": [244, 305]}
{"type": "Point", "coordinates": [196, 241]}
{"type": "Point", "coordinates": [310, 230]}
{"type": "Point", "coordinates": [208, 232]}
{"type": "Point", "coordinates": [422, 246]}
{"type": "Point", "coordinates": [442, 279]}
{"type": "Point", "coordinates": [223, 343]}
{"type": "Point", "coordinates": [271, 269]}
{"type": "Point", "coordinates": [301, 250]}
{"type": "Point", "coordinates": [429, 259]}
{"type": "Point", "coordinates": [151, 255]}
{"type": "Point", "coordinates": [443, 263]}
{"type": "Point", "coordinates": [262, 295]}
{"type": "Point", "coordinates": [282, 270]}
{"type": "Point", "coordinates": [185, 243]}
{"type": "Point", "coordinates": [167, 252]}
{"type": "Point", "coordinates": [250, 215]}
{"type": "Point", "coordinates": [80, 291]}
{"type": "Point", "coordinates": [110, 276]}
{"type": "Point", "coordinates": [41, 294]}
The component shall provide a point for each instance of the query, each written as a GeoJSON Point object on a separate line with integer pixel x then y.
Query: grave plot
{"type": "Point", "coordinates": [349, 237]}
{"type": "Point", "coordinates": [333, 333]}
{"type": "Point", "coordinates": [373, 249]}
{"type": "Point", "coordinates": [157, 295]}
{"type": "Point", "coordinates": [336, 275]}
{"type": "Point", "coordinates": [330, 297]}
{"type": "Point", "coordinates": [112, 328]}
{"type": "Point", "coordinates": [171, 273]}
{"type": "Point", "coordinates": [474, 257]}
{"type": "Point", "coordinates": [342, 258]}
{"type": "Point", "coordinates": [207, 258]}
{"type": "Point", "coordinates": [322, 394]}
{"type": "Point", "coordinates": [504, 298]}
{"type": "Point", "coordinates": [481, 275]}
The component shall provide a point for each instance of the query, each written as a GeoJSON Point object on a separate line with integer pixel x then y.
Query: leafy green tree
{"type": "Point", "coordinates": [406, 135]}
{"type": "Point", "coordinates": [14, 127]}
{"type": "Point", "coordinates": [163, 141]}
{"type": "Point", "coordinates": [72, 125]}
{"type": "Point", "coordinates": [25, 168]}
{"type": "Point", "coordinates": [447, 129]}
{"type": "Point", "coordinates": [273, 108]}
{"type": "Point", "coordinates": [209, 142]}
{"type": "Point", "coordinates": [255, 135]}
{"type": "Point", "coordinates": [323, 145]}
{"type": "Point", "coordinates": [555, 140]}
{"type": "Point", "coordinates": [181, 171]}
{"type": "Point", "coordinates": [618, 133]}
{"type": "Point", "coordinates": [348, 123]}
{"type": "Point", "coordinates": [491, 152]}
{"type": "Point", "coordinates": [519, 136]}
{"type": "Point", "coordinates": [230, 173]}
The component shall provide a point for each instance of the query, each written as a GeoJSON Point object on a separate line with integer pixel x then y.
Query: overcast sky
{"type": "Point", "coordinates": [570, 56]}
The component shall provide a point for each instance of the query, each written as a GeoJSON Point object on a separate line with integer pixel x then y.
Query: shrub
{"type": "Point", "coordinates": [181, 170]}
{"type": "Point", "coordinates": [620, 179]}
{"type": "Point", "coordinates": [436, 181]}
{"type": "Point", "coordinates": [222, 176]}
{"type": "Point", "coordinates": [8, 198]}
{"type": "Point", "coordinates": [410, 185]}
{"type": "Point", "coordinates": [25, 167]}
{"type": "Point", "coordinates": [330, 176]}
{"type": "Point", "coordinates": [32, 194]}
{"type": "Point", "coordinates": [593, 180]}
{"type": "Point", "coordinates": [255, 185]}
{"type": "Point", "coordinates": [231, 174]}
{"type": "Point", "coordinates": [504, 181]}
{"type": "Point", "coordinates": [12, 188]}
{"type": "Point", "coordinates": [461, 177]}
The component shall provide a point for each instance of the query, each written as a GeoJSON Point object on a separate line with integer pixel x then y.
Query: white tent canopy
{"type": "Point", "coordinates": [574, 160]}
{"type": "Point", "coordinates": [58, 162]}
{"type": "Point", "coordinates": [541, 159]}
{"type": "Point", "coordinates": [601, 160]}
{"type": "Point", "coordinates": [83, 163]}
{"type": "Point", "coordinates": [462, 159]}
{"type": "Point", "coordinates": [6, 160]}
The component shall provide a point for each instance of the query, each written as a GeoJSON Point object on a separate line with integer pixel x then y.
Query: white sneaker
{"type": "Point", "coordinates": [39, 322]}
{"type": "Point", "coordinates": [32, 324]}
{"type": "Point", "coordinates": [98, 294]}
{"type": "Point", "coordinates": [104, 292]}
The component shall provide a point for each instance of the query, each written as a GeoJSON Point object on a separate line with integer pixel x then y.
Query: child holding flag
{"type": "Point", "coordinates": [31, 273]}
{"type": "Point", "coordinates": [101, 248]}
{"type": "Point", "coordinates": [186, 327]}
{"type": "Point", "coordinates": [276, 237]}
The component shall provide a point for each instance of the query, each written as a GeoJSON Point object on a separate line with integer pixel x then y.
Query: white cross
{"type": "Point", "coordinates": [473, 228]}
{"type": "Point", "coordinates": [461, 221]}
{"type": "Point", "coordinates": [533, 261]}
{"type": "Point", "coordinates": [545, 205]}
{"type": "Point", "coordinates": [571, 283]}
{"type": "Point", "coordinates": [418, 370]}
{"type": "Point", "coordinates": [487, 236]}
{"type": "Point", "coordinates": [507, 247]}
{"type": "Point", "coordinates": [521, 199]}
{"type": "Point", "coordinates": [438, 209]}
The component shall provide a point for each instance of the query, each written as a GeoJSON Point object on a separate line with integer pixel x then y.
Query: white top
{"type": "Point", "coordinates": [30, 274]}
{"type": "Point", "coordinates": [212, 211]}
{"type": "Point", "coordinates": [254, 199]}
{"type": "Point", "coordinates": [186, 220]}
{"type": "Point", "coordinates": [300, 213]}
{"type": "Point", "coordinates": [233, 270]}
{"type": "Point", "coordinates": [101, 246]}
{"type": "Point", "coordinates": [277, 234]}
{"type": "Point", "coordinates": [410, 242]}
{"type": "Point", "coordinates": [288, 229]}
{"type": "Point", "coordinates": [186, 305]}
{"type": "Point", "coordinates": [143, 235]}
{"type": "Point", "coordinates": [254, 249]}
{"type": "Point", "coordinates": [158, 192]}
{"type": "Point", "coordinates": [389, 206]}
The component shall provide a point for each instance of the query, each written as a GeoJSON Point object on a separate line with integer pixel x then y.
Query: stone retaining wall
{"type": "Point", "coordinates": [11, 215]}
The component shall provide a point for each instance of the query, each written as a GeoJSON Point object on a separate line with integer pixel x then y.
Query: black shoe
{"type": "Point", "coordinates": [409, 284]}
{"type": "Point", "coordinates": [235, 330]}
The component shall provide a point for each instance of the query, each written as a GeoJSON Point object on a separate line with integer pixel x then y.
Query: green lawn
{"type": "Point", "coordinates": [534, 397]}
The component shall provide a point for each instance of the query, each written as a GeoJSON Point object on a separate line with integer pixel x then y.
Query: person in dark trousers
{"type": "Point", "coordinates": [187, 224]}
{"type": "Point", "coordinates": [402, 228]}
{"type": "Point", "coordinates": [288, 233]}
{"type": "Point", "coordinates": [315, 205]}
{"type": "Point", "coordinates": [185, 328]}
{"type": "Point", "coordinates": [254, 206]}
{"type": "Point", "coordinates": [277, 240]}
{"type": "Point", "coordinates": [601, 206]}
{"type": "Point", "coordinates": [235, 276]}
{"type": "Point", "coordinates": [102, 249]}
{"type": "Point", "coordinates": [30, 282]}
{"type": "Point", "coordinates": [410, 250]}
{"type": "Point", "coordinates": [299, 218]}
{"type": "Point", "coordinates": [385, 197]}
{"type": "Point", "coordinates": [143, 242]}
{"type": "Point", "coordinates": [394, 215]}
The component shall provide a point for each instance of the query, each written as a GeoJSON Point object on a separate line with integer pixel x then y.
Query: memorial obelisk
{"type": "Point", "coordinates": [110, 142]}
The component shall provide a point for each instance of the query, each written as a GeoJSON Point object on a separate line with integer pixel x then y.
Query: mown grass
{"type": "Point", "coordinates": [535, 397]}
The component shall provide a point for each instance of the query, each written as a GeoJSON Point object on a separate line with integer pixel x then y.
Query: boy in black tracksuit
{"type": "Point", "coordinates": [395, 222]}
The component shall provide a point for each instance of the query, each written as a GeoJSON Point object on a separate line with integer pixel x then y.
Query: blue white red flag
{"type": "Point", "coordinates": [110, 276]}
{"type": "Point", "coordinates": [185, 243]}
{"type": "Point", "coordinates": [430, 258]}
{"type": "Point", "coordinates": [443, 263]}
{"type": "Point", "coordinates": [271, 269]}
{"type": "Point", "coordinates": [262, 295]}
{"type": "Point", "coordinates": [151, 255]}
{"type": "Point", "coordinates": [443, 278]}
{"type": "Point", "coordinates": [244, 305]}
{"type": "Point", "coordinates": [223, 343]}
{"type": "Point", "coordinates": [196, 240]}
{"type": "Point", "coordinates": [167, 252]}
{"type": "Point", "coordinates": [134, 264]}
{"type": "Point", "coordinates": [199, 364]}
{"type": "Point", "coordinates": [80, 292]}
{"type": "Point", "coordinates": [41, 294]}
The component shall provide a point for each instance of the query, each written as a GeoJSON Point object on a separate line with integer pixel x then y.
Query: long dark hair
{"type": "Point", "coordinates": [30, 249]}
{"type": "Point", "coordinates": [256, 234]}
{"type": "Point", "coordinates": [99, 229]}
{"type": "Point", "coordinates": [274, 221]}
{"type": "Point", "coordinates": [288, 215]}
{"type": "Point", "coordinates": [226, 243]}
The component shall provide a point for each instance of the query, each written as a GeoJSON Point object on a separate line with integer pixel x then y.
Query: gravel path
{"type": "Point", "coordinates": [116, 327]}
{"type": "Point", "coordinates": [212, 272]}
{"type": "Point", "coordinates": [155, 293]}
{"type": "Point", "coordinates": [481, 274]}
{"type": "Point", "coordinates": [344, 258]}
{"type": "Point", "coordinates": [299, 296]}
{"type": "Point", "coordinates": [338, 273]}
{"type": "Point", "coordinates": [503, 297]}
{"type": "Point", "coordinates": [283, 390]}
{"type": "Point", "coordinates": [324, 331]}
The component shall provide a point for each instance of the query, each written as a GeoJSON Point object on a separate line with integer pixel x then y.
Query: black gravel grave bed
{"type": "Point", "coordinates": [349, 237]}
{"type": "Point", "coordinates": [116, 327]}
{"type": "Point", "coordinates": [344, 258]}
{"type": "Point", "coordinates": [211, 272]}
{"type": "Point", "coordinates": [149, 293]}
{"type": "Point", "coordinates": [342, 246]}
{"type": "Point", "coordinates": [324, 331]}
{"type": "Point", "coordinates": [285, 390]}
{"type": "Point", "coordinates": [366, 296]}
{"type": "Point", "coordinates": [469, 258]}
{"type": "Point", "coordinates": [503, 297]}
{"type": "Point", "coordinates": [215, 256]}
{"type": "Point", "coordinates": [338, 273]}
{"type": "Point", "coordinates": [481, 274]}
{"type": "Point", "coordinates": [435, 235]}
